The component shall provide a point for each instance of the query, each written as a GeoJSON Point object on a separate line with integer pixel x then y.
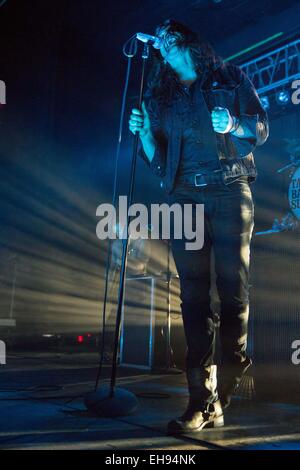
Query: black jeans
{"type": "Point", "coordinates": [228, 225]}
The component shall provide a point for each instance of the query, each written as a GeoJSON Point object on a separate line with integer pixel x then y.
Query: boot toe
{"type": "Point", "coordinates": [196, 422]}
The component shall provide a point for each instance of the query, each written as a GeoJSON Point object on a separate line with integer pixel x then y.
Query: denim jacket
{"type": "Point", "coordinates": [226, 86]}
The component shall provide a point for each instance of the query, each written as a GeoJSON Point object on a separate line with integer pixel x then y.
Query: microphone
{"type": "Point", "coordinates": [147, 38]}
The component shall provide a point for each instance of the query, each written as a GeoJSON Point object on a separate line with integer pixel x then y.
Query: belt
{"type": "Point", "coordinates": [201, 179]}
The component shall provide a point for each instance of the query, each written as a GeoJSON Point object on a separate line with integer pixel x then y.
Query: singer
{"type": "Point", "coordinates": [198, 126]}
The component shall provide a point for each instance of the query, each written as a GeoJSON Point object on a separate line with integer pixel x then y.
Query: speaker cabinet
{"type": "Point", "coordinates": [144, 331]}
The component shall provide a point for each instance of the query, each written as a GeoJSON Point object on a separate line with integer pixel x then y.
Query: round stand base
{"type": "Point", "coordinates": [100, 403]}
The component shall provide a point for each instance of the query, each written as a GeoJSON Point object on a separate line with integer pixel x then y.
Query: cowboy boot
{"type": "Point", "coordinates": [230, 379]}
{"type": "Point", "coordinates": [204, 409]}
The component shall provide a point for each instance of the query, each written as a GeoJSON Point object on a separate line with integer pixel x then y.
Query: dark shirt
{"type": "Point", "coordinates": [198, 147]}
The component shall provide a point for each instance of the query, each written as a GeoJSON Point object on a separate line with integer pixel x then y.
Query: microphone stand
{"type": "Point", "coordinates": [110, 401]}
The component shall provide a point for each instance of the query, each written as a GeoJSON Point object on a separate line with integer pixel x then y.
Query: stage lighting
{"type": "Point", "coordinates": [265, 102]}
{"type": "Point", "coordinates": [283, 97]}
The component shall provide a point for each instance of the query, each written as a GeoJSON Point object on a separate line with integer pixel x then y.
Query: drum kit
{"type": "Point", "coordinates": [290, 220]}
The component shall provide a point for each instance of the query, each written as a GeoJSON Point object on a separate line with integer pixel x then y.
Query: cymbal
{"type": "Point", "coordinates": [268, 232]}
{"type": "Point", "coordinates": [295, 163]}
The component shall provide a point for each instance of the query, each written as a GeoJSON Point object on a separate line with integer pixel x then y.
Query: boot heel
{"type": "Point", "coordinates": [218, 422]}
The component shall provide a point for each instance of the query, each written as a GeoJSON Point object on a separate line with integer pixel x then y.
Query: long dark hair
{"type": "Point", "coordinates": [162, 80]}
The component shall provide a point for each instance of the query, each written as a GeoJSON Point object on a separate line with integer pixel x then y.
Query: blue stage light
{"type": "Point", "coordinates": [282, 97]}
{"type": "Point", "coordinates": [265, 102]}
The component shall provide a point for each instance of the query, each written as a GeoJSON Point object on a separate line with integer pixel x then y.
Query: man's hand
{"type": "Point", "coordinates": [139, 121]}
{"type": "Point", "coordinates": [222, 120]}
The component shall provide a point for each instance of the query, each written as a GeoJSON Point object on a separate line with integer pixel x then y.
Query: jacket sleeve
{"type": "Point", "coordinates": [158, 163]}
{"type": "Point", "coordinates": [252, 116]}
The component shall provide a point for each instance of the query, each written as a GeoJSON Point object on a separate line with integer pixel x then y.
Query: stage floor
{"type": "Point", "coordinates": [41, 407]}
